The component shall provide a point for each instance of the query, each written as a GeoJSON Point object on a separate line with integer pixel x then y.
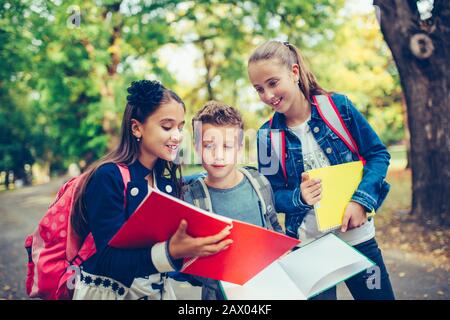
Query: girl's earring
{"type": "Point", "coordinates": [138, 139]}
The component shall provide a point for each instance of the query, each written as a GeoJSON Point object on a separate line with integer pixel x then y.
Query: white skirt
{"type": "Point", "coordinates": [93, 287]}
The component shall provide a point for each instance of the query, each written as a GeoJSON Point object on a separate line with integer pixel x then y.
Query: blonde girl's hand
{"type": "Point", "coordinates": [310, 189]}
{"type": "Point", "coordinates": [182, 245]}
{"type": "Point", "coordinates": [354, 216]}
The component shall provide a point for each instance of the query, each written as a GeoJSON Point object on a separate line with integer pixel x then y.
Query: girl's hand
{"type": "Point", "coordinates": [310, 190]}
{"type": "Point", "coordinates": [354, 217]}
{"type": "Point", "coordinates": [182, 245]}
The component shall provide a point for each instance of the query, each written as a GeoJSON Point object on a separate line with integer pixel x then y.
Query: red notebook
{"type": "Point", "coordinates": [159, 215]}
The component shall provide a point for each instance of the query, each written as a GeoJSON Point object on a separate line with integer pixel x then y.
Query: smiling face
{"type": "Point", "coordinates": [276, 84]}
{"type": "Point", "coordinates": [219, 148]}
{"type": "Point", "coordinates": [161, 132]}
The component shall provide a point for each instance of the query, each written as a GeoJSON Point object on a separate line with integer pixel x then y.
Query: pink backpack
{"type": "Point", "coordinates": [54, 247]}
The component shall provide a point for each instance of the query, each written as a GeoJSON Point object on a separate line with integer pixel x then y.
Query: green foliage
{"type": "Point", "coordinates": [358, 63]}
{"type": "Point", "coordinates": [15, 118]}
{"type": "Point", "coordinates": [62, 86]}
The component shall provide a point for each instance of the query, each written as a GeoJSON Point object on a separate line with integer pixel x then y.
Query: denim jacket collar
{"type": "Point", "coordinates": [279, 119]}
{"type": "Point", "coordinates": [314, 113]}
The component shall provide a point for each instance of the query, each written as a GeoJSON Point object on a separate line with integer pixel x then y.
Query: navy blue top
{"type": "Point", "coordinates": [104, 199]}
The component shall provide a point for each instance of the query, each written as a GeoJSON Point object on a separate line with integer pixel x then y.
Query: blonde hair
{"type": "Point", "coordinates": [288, 55]}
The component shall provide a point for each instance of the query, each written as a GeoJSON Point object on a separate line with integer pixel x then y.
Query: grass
{"type": "Point", "coordinates": [398, 157]}
{"type": "Point", "coordinates": [398, 229]}
{"type": "Point", "coordinates": [399, 196]}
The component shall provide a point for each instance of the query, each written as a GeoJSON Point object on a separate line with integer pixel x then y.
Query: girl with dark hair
{"type": "Point", "coordinates": [150, 137]}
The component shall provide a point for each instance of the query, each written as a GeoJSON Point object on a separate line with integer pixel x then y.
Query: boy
{"type": "Point", "coordinates": [238, 193]}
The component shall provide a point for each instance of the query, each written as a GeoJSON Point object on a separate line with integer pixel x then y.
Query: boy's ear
{"type": "Point", "coordinates": [296, 71]}
{"type": "Point", "coordinates": [240, 153]}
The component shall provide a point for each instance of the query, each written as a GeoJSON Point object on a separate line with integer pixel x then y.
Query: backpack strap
{"type": "Point", "coordinates": [200, 194]}
{"type": "Point", "coordinates": [264, 191]}
{"type": "Point", "coordinates": [125, 172]}
{"type": "Point", "coordinates": [330, 114]}
{"type": "Point", "coordinates": [202, 199]}
{"type": "Point", "coordinates": [87, 249]}
{"type": "Point", "coordinates": [277, 137]}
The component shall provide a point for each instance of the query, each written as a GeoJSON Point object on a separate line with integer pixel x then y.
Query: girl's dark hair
{"type": "Point", "coordinates": [144, 98]}
{"type": "Point", "coordinates": [288, 55]}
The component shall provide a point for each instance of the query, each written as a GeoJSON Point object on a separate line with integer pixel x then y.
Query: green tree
{"type": "Point", "coordinates": [16, 140]}
{"type": "Point", "coordinates": [358, 63]}
{"type": "Point", "coordinates": [420, 44]}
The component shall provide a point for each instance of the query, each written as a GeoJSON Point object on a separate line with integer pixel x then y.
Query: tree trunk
{"type": "Point", "coordinates": [110, 122]}
{"type": "Point", "coordinates": [208, 66]}
{"type": "Point", "coordinates": [20, 174]}
{"type": "Point", "coordinates": [406, 131]}
{"type": "Point", "coordinates": [421, 52]}
{"type": "Point", "coordinates": [7, 180]}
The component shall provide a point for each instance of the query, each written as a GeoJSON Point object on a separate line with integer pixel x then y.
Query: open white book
{"type": "Point", "coordinates": [302, 274]}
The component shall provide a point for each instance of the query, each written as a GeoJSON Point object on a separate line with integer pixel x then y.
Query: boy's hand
{"type": "Point", "coordinates": [310, 189]}
{"type": "Point", "coordinates": [354, 217]}
{"type": "Point", "coordinates": [182, 245]}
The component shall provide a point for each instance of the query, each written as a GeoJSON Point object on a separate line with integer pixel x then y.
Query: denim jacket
{"type": "Point", "coordinates": [373, 188]}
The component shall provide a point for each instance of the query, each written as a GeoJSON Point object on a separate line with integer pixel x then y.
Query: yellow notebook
{"type": "Point", "coordinates": [339, 183]}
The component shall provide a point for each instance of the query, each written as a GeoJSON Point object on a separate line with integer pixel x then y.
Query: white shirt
{"type": "Point", "coordinates": [313, 158]}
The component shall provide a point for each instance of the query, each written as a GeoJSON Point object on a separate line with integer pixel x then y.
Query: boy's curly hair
{"type": "Point", "coordinates": [220, 114]}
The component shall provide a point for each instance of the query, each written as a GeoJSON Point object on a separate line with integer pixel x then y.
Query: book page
{"type": "Point", "coordinates": [270, 284]}
{"type": "Point", "coordinates": [339, 276]}
{"type": "Point", "coordinates": [323, 263]}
